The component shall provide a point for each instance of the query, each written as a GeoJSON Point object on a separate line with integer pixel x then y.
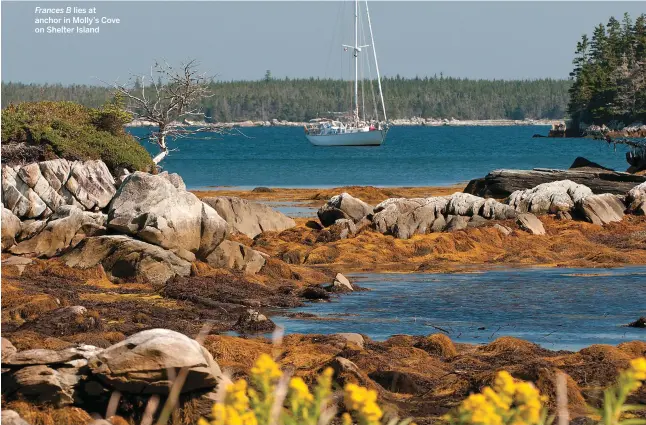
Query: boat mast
{"type": "Point", "coordinates": [356, 60]}
{"type": "Point", "coordinates": [356, 49]}
{"type": "Point", "coordinates": [374, 51]}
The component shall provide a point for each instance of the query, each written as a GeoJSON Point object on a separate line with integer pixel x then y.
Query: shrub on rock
{"type": "Point", "coordinates": [38, 131]}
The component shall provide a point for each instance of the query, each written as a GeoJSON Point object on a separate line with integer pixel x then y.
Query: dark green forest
{"type": "Point", "coordinates": [304, 99]}
{"type": "Point", "coordinates": [610, 74]}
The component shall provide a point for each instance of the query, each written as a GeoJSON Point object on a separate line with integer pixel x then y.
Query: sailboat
{"type": "Point", "coordinates": [356, 130]}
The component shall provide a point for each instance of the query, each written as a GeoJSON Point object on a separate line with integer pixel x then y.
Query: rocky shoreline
{"type": "Point", "coordinates": [415, 121]}
{"type": "Point", "coordinates": [106, 278]}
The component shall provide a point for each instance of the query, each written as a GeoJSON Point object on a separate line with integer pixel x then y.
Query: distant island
{"type": "Point", "coordinates": [300, 100]}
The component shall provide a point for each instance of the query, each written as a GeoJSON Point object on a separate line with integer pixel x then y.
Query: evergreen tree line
{"type": "Point", "coordinates": [304, 99]}
{"type": "Point", "coordinates": [610, 74]}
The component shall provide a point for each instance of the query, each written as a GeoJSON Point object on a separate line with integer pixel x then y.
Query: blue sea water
{"type": "Point", "coordinates": [555, 308]}
{"type": "Point", "coordinates": [411, 156]}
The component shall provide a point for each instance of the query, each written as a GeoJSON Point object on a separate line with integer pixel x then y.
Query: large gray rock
{"type": "Point", "coordinates": [8, 349]}
{"type": "Point", "coordinates": [465, 204]}
{"type": "Point", "coordinates": [11, 417]}
{"type": "Point", "coordinates": [18, 197]}
{"type": "Point", "coordinates": [601, 209]}
{"type": "Point", "coordinates": [530, 223]}
{"type": "Point", "coordinates": [343, 206]}
{"type": "Point", "coordinates": [549, 198]}
{"type": "Point", "coordinates": [174, 178]}
{"type": "Point", "coordinates": [636, 199]}
{"type": "Point", "coordinates": [402, 217]}
{"type": "Point", "coordinates": [91, 184]}
{"type": "Point", "coordinates": [43, 384]}
{"type": "Point", "coordinates": [456, 222]}
{"type": "Point", "coordinates": [354, 338]}
{"type": "Point", "coordinates": [502, 183]}
{"type": "Point", "coordinates": [249, 218]}
{"type": "Point", "coordinates": [494, 210]}
{"type": "Point", "coordinates": [31, 228]}
{"type": "Point", "coordinates": [66, 228]}
{"type": "Point", "coordinates": [343, 228]}
{"type": "Point", "coordinates": [42, 356]}
{"type": "Point", "coordinates": [140, 363]}
{"type": "Point", "coordinates": [387, 213]}
{"type": "Point", "coordinates": [253, 321]}
{"type": "Point", "coordinates": [124, 258]}
{"type": "Point", "coordinates": [504, 230]}
{"type": "Point", "coordinates": [16, 265]}
{"type": "Point", "coordinates": [340, 284]}
{"type": "Point", "coordinates": [11, 227]}
{"type": "Point", "coordinates": [233, 255]}
{"type": "Point", "coordinates": [36, 190]}
{"type": "Point", "coordinates": [153, 209]}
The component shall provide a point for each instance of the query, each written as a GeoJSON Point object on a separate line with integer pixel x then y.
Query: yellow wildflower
{"type": "Point", "coordinates": [504, 383]}
{"type": "Point", "coordinates": [266, 367]}
{"type": "Point", "coordinates": [249, 418]}
{"type": "Point", "coordinates": [495, 398]}
{"type": "Point", "coordinates": [300, 390]}
{"type": "Point", "coordinates": [346, 419]}
{"type": "Point", "coordinates": [479, 411]}
{"type": "Point", "coordinates": [363, 402]}
{"type": "Point", "coordinates": [638, 368]}
{"type": "Point", "coordinates": [236, 395]}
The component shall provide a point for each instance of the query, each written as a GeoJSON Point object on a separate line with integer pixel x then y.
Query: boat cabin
{"type": "Point", "coordinates": [329, 127]}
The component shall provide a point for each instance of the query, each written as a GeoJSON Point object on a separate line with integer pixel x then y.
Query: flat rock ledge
{"type": "Point", "coordinates": [138, 365]}
{"type": "Point", "coordinates": [405, 217]}
{"type": "Point", "coordinates": [502, 183]}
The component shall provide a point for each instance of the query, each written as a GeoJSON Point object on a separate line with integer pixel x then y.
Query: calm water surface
{"type": "Point", "coordinates": [559, 309]}
{"type": "Point", "coordinates": [556, 308]}
{"type": "Point", "coordinates": [411, 156]}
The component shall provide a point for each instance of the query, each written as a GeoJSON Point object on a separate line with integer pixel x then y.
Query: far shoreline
{"type": "Point", "coordinates": [320, 194]}
{"type": "Point", "coordinates": [246, 188]}
{"type": "Point", "coordinates": [403, 122]}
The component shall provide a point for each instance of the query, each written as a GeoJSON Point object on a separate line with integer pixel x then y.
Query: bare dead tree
{"type": "Point", "coordinates": [167, 98]}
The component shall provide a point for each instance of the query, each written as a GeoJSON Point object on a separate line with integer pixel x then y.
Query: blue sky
{"type": "Point", "coordinates": [240, 40]}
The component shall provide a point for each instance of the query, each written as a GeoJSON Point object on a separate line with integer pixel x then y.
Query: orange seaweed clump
{"type": "Point", "coordinates": [48, 415]}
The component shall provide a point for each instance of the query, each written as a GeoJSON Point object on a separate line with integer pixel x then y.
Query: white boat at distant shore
{"type": "Point", "coordinates": [336, 133]}
{"type": "Point", "coordinates": [357, 130]}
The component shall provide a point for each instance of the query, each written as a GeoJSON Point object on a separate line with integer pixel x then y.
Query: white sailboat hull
{"type": "Point", "coordinates": [361, 138]}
